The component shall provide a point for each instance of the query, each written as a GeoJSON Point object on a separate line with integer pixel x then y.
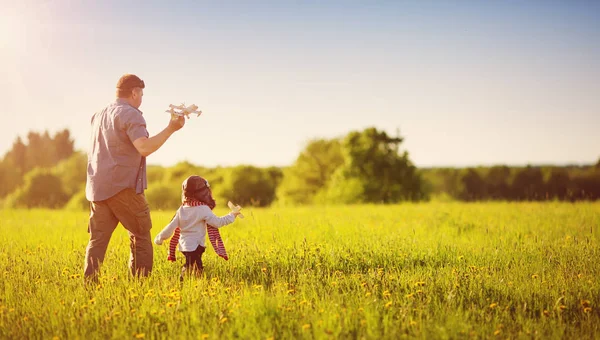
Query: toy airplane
{"type": "Point", "coordinates": [235, 208]}
{"type": "Point", "coordinates": [183, 111]}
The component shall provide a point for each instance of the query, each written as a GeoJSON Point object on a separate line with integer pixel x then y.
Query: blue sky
{"type": "Point", "coordinates": [466, 82]}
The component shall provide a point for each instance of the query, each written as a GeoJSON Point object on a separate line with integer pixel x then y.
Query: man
{"type": "Point", "coordinates": [116, 177]}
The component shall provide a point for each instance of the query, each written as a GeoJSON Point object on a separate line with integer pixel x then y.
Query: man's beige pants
{"type": "Point", "coordinates": [133, 212]}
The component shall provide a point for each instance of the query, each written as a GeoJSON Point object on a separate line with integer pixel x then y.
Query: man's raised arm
{"type": "Point", "coordinates": [146, 146]}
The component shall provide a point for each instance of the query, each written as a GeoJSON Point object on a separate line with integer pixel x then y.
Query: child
{"type": "Point", "coordinates": [192, 221]}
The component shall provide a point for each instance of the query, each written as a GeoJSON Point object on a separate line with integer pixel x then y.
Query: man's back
{"type": "Point", "coordinates": [114, 163]}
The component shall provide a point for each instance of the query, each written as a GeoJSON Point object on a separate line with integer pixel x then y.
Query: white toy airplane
{"type": "Point", "coordinates": [235, 208]}
{"type": "Point", "coordinates": [183, 111]}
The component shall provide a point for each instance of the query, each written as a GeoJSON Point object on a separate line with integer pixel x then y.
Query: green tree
{"type": "Point", "coordinates": [497, 182]}
{"type": "Point", "coordinates": [10, 178]}
{"type": "Point", "coordinates": [164, 196]}
{"type": "Point", "coordinates": [176, 174]}
{"type": "Point", "coordinates": [41, 189]}
{"type": "Point", "coordinates": [72, 173]}
{"type": "Point", "coordinates": [63, 145]}
{"type": "Point", "coordinates": [311, 171]}
{"type": "Point", "coordinates": [528, 184]}
{"type": "Point", "coordinates": [558, 183]}
{"type": "Point", "coordinates": [374, 171]}
{"type": "Point", "coordinates": [155, 174]}
{"type": "Point", "coordinates": [473, 186]}
{"type": "Point", "coordinates": [16, 157]}
{"type": "Point", "coordinates": [78, 202]}
{"type": "Point", "coordinates": [40, 151]}
{"type": "Point", "coordinates": [246, 185]}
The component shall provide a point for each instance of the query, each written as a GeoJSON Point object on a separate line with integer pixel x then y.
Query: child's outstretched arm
{"type": "Point", "coordinates": [168, 230]}
{"type": "Point", "coordinates": [216, 221]}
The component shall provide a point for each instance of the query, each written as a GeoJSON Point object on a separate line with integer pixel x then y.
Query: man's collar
{"type": "Point", "coordinates": [123, 101]}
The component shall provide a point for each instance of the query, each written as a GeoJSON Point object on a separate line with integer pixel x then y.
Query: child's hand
{"type": "Point", "coordinates": [235, 209]}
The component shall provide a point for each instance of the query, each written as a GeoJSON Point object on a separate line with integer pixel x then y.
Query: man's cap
{"type": "Point", "coordinates": [130, 81]}
{"type": "Point", "coordinates": [193, 184]}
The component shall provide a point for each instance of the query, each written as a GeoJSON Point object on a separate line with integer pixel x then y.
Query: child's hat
{"type": "Point", "coordinates": [193, 184]}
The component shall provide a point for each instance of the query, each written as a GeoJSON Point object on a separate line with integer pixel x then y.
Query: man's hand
{"type": "Point", "coordinates": [176, 123]}
{"type": "Point", "coordinates": [146, 146]}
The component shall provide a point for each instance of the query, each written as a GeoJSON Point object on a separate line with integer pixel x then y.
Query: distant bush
{"type": "Point", "coordinates": [164, 197]}
{"type": "Point", "coordinates": [41, 189]}
{"type": "Point", "coordinates": [78, 202]}
{"type": "Point", "coordinates": [247, 185]}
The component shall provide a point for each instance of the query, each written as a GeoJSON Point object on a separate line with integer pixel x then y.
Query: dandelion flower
{"type": "Point", "coordinates": [388, 305]}
{"type": "Point", "coordinates": [140, 335]}
{"type": "Point", "coordinates": [493, 305]}
{"type": "Point", "coordinates": [305, 326]}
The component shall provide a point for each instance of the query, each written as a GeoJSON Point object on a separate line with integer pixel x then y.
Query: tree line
{"type": "Point", "coordinates": [366, 166]}
{"type": "Point", "coordinates": [529, 183]}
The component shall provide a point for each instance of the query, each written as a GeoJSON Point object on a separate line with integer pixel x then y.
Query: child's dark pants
{"type": "Point", "coordinates": [193, 261]}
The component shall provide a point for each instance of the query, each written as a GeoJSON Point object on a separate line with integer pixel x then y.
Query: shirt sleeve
{"type": "Point", "coordinates": [134, 124]}
{"type": "Point", "coordinates": [168, 230]}
{"type": "Point", "coordinates": [214, 220]}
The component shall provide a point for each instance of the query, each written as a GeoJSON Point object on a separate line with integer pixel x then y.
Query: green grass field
{"type": "Point", "coordinates": [434, 270]}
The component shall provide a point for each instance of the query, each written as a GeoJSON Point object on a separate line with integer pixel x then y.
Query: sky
{"type": "Point", "coordinates": [467, 83]}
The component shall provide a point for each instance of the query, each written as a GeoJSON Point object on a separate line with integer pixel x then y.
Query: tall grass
{"type": "Point", "coordinates": [437, 270]}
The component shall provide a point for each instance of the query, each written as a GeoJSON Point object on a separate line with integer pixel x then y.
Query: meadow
{"type": "Point", "coordinates": [431, 270]}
